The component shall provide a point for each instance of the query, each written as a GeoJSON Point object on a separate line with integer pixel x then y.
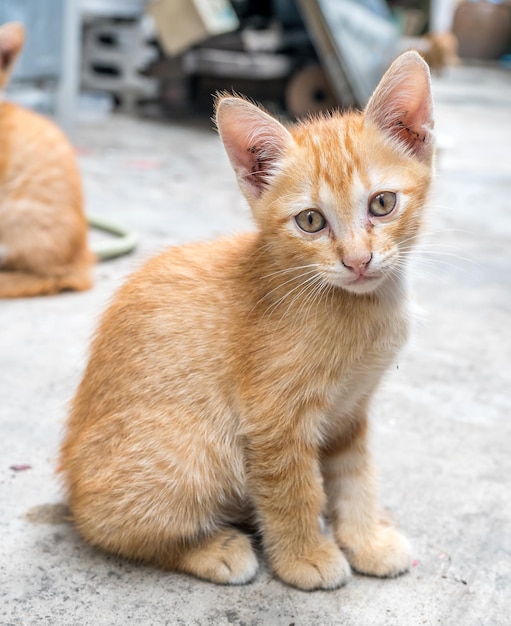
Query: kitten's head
{"type": "Point", "coordinates": [342, 194]}
{"type": "Point", "coordinates": [12, 36]}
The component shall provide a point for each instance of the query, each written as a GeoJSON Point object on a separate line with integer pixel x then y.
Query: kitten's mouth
{"type": "Point", "coordinates": [365, 277]}
{"type": "Point", "coordinates": [362, 279]}
{"type": "Point", "coordinates": [360, 283]}
{"type": "Point", "coordinates": [363, 283]}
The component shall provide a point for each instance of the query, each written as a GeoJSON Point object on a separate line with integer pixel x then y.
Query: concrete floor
{"type": "Point", "coordinates": [441, 429]}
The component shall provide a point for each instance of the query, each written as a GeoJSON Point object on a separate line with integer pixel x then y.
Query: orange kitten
{"type": "Point", "coordinates": [43, 230]}
{"type": "Point", "coordinates": [230, 380]}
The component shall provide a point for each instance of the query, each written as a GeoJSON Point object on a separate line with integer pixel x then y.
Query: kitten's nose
{"type": "Point", "coordinates": [357, 262]}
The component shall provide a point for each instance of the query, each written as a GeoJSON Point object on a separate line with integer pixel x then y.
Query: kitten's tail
{"type": "Point", "coordinates": [19, 284]}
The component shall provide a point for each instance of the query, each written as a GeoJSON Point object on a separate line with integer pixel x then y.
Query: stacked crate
{"type": "Point", "coordinates": [114, 54]}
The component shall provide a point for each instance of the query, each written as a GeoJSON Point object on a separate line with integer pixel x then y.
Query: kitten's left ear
{"type": "Point", "coordinates": [12, 36]}
{"type": "Point", "coordinates": [254, 142]}
{"type": "Point", "coordinates": [402, 105]}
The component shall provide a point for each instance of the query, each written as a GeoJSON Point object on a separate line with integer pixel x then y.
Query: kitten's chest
{"type": "Point", "coordinates": [318, 365]}
{"type": "Point", "coordinates": [362, 355]}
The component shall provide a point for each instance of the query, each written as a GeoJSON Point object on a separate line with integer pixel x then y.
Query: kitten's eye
{"type": "Point", "coordinates": [310, 221]}
{"type": "Point", "coordinates": [382, 204]}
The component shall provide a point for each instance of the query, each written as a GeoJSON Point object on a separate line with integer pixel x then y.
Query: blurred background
{"type": "Point", "coordinates": [86, 58]}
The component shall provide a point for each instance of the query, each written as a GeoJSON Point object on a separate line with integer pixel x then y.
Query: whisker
{"type": "Point", "coordinates": [314, 285]}
{"type": "Point", "coordinates": [288, 270]}
{"type": "Point", "coordinates": [290, 280]}
{"type": "Point", "coordinates": [302, 286]}
{"type": "Point", "coordinates": [438, 256]}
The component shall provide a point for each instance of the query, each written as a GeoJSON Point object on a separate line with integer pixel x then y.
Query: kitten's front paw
{"type": "Point", "coordinates": [385, 553]}
{"type": "Point", "coordinates": [324, 568]}
{"type": "Point", "coordinates": [226, 558]}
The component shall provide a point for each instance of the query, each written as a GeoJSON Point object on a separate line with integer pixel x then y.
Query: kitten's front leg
{"type": "Point", "coordinates": [286, 486]}
{"type": "Point", "coordinates": [372, 544]}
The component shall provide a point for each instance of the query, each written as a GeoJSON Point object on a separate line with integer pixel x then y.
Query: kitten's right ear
{"type": "Point", "coordinates": [254, 142]}
{"type": "Point", "coordinates": [12, 36]}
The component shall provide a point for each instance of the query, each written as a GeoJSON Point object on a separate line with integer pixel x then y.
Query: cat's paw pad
{"type": "Point", "coordinates": [386, 553]}
{"type": "Point", "coordinates": [226, 558]}
{"type": "Point", "coordinates": [325, 567]}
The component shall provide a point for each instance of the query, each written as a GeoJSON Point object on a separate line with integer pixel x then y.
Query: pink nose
{"type": "Point", "coordinates": [357, 262]}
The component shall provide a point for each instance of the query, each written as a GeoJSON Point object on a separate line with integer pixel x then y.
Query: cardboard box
{"type": "Point", "coordinates": [183, 23]}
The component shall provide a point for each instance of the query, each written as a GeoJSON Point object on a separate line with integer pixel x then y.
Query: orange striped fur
{"type": "Point", "coordinates": [43, 231]}
{"type": "Point", "coordinates": [230, 380]}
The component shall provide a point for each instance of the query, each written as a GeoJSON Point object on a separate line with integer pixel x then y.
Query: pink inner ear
{"type": "Point", "coordinates": [6, 57]}
{"type": "Point", "coordinates": [237, 142]}
{"type": "Point", "coordinates": [412, 128]}
{"type": "Point", "coordinates": [254, 142]}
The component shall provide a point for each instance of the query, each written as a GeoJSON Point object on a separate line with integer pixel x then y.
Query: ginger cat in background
{"type": "Point", "coordinates": [43, 230]}
{"type": "Point", "coordinates": [231, 380]}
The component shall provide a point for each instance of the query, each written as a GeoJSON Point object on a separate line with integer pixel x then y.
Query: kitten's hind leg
{"type": "Point", "coordinates": [371, 543]}
{"type": "Point", "coordinates": [225, 557]}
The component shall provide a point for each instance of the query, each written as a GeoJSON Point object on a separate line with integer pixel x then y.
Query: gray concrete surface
{"type": "Point", "coordinates": [441, 427]}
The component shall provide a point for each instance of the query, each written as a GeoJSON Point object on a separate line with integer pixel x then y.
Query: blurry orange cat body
{"type": "Point", "coordinates": [43, 230]}
{"type": "Point", "coordinates": [231, 380]}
